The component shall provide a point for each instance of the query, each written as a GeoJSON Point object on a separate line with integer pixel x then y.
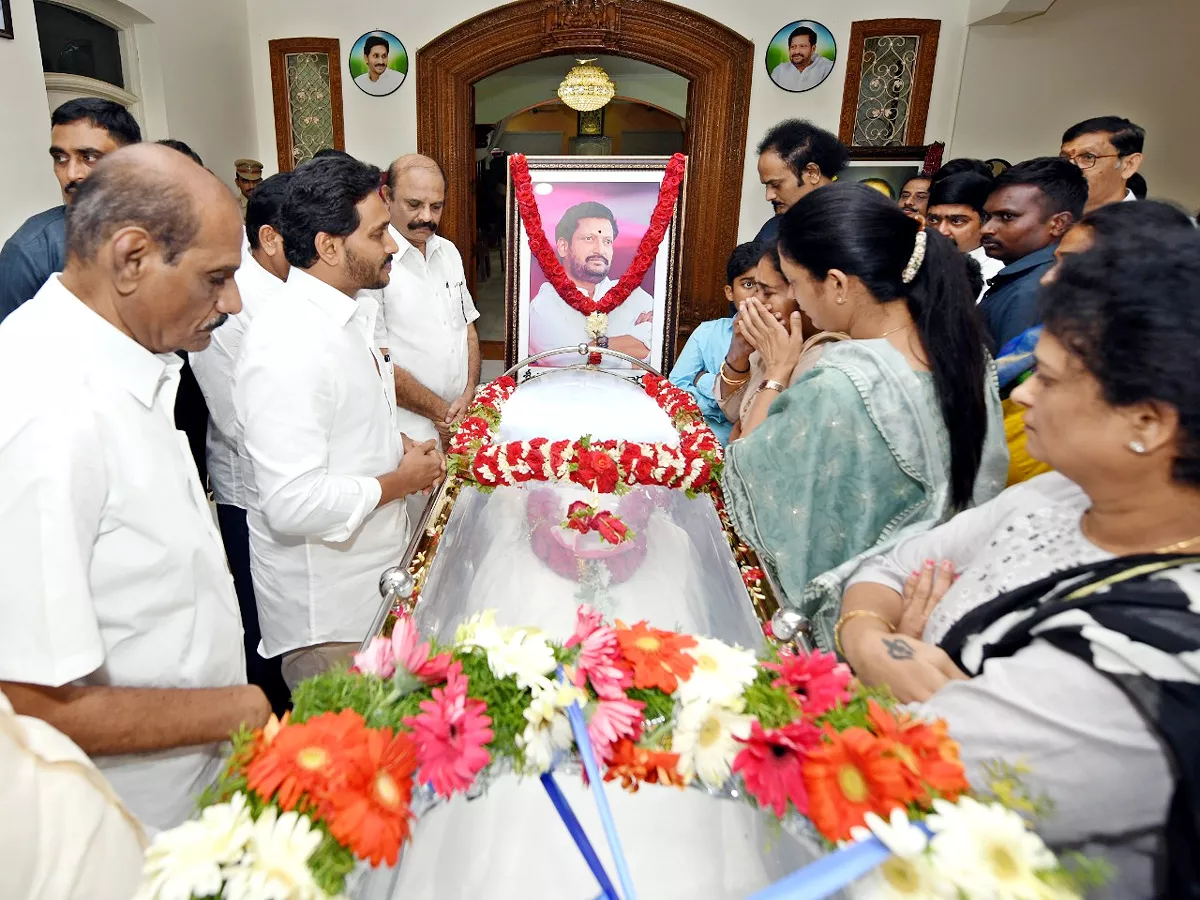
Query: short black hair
{"type": "Point", "coordinates": [1137, 184]}
{"type": "Point", "coordinates": [1118, 308]}
{"type": "Point", "coordinates": [330, 151]}
{"type": "Point", "coordinates": [323, 197]}
{"type": "Point", "coordinates": [182, 148]}
{"type": "Point", "coordinates": [743, 258]}
{"type": "Point", "coordinates": [376, 41]}
{"type": "Point", "coordinates": [119, 194]}
{"type": "Point", "coordinates": [966, 189]}
{"type": "Point", "coordinates": [589, 209]}
{"type": "Point", "coordinates": [961, 165]}
{"type": "Point", "coordinates": [803, 31]}
{"type": "Point", "coordinates": [265, 206]}
{"type": "Point", "coordinates": [112, 117]}
{"type": "Point", "coordinates": [1061, 182]}
{"type": "Point", "coordinates": [1125, 137]}
{"type": "Point", "coordinates": [1112, 219]}
{"type": "Point", "coordinates": [799, 142]}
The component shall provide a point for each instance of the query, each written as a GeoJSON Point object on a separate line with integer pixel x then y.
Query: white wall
{"type": "Point", "coordinates": [381, 129]}
{"type": "Point", "coordinates": [194, 62]}
{"type": "Point", "coordinates": [1024, 84]}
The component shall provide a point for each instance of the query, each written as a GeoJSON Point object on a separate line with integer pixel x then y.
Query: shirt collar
{"type": "Point", "coordinates": [324, 297]}
{"type": "Point", "coordinates": [1030, 261]}
{"type": "Point", "coordinates": [262, 280]}
{"type": "Point", "coordinates": [432, 245]}
{"type": "Point", "coordinates": [1130, 196]}
{"type": "Point", "coordinates": [113, 352]}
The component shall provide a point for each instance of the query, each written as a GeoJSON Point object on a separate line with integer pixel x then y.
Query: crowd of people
{"type": "Point", "coordinates": [962, 429]}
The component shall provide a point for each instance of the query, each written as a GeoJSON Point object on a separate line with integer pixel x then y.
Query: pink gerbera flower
{"type": "Point", "coordinates": [772, 764]}
{"type": "Point", "coordinates": [376, 659]}
{"type": "Point", "coordinates": [611, 721]}
{"type": "Point", "coordinates": [452, 733]}
{"type": "Point", "coordinates": [411, 656]}
{"type": "Point", "coordinates": [587, 620]}
{"type": "Point", "coordinates": [818, 679]}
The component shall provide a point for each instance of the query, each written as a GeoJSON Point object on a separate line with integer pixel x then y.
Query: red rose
{"type": "Point", "coordinates": [596, 470]}
{"type": "Point", "coordinates": [629, 457]}
{"type": "Point", "coordinates": [525, 194]}
{"type": "Point", "coordinates": [611, 529]}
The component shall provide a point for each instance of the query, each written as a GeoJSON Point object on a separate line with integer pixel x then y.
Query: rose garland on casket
{"type": "Point", "coordinates": [475, 453]}
{"type": "Point", "coordinates": [302, 799]}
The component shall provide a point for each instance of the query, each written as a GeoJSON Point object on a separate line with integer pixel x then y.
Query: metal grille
{"type": "Point", "coordinates": [310, 104]}
{"type": "Point", "coordinates": [885, 91]}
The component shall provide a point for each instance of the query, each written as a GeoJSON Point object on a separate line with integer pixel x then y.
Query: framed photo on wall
{"type": "Point", "coordinates": [6, 28]}
{"type": "Point", "coordinates": [594, 213]}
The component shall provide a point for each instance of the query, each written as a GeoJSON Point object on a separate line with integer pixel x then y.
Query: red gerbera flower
{"type": "Point", "coordinates": [308, 760]}
{"type": "Point", "coordinates": [818, 679]}
{"type": "Point", "coordinates": [452, 733]}
{"type": "Point", "coordinates": [848, 776]}
{"type": "Point", "coordinates": [635, 765]}
{"type": "Point", "coordinates": [371, 816]}
{"type": "Point", "coordinates": [656, 657]}
{"type": "Point", "coordinates": [772, 764]}
{"type": "Point", "coordinates": [928, 755]}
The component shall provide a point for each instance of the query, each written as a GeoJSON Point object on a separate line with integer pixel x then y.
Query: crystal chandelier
{"type": "Point", "coordinates": [586, 87]}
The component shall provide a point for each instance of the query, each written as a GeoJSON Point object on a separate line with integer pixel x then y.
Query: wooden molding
{"type": "Point", "coordinates": [925, 29]}
{"type": "Point", "coordinates": [718, 62]}
{"type": "Point", "coordinates": [279, 49]}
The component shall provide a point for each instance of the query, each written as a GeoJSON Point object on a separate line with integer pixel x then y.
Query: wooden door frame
{"type": "Point", "coordinates": [717, 61]}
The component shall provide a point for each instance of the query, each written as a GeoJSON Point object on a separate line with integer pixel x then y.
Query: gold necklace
{"type": "Point", "coordinates": [1178, 545]}
{"type": "Point", "coordinates": [894, 330]}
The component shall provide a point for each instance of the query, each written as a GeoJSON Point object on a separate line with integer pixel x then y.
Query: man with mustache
{"type": "Point", "coordinates": [118, 620]}
{"type": "Point", "coordinates": [427, 318]}
{"type": "Point", "coordinates": [805, 69]}
{"type": "Point", "coordinates": [82, 132]}
{"type": "Point", "coordinates": [584, 240]}
{"type": "Point", "coordinates": [315, 407]}
{"type": "Point", "coordinates": [914, 197]}
{"type": "Point", "coordinates": [794, 159]}
{"type": "Point", "coordinates": [378, 80]}
{"type": "Point", "coordinates": [1031, 206]}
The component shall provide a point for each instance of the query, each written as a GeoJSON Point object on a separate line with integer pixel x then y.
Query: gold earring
{"type": "Point", "coordinates": [841, 300]}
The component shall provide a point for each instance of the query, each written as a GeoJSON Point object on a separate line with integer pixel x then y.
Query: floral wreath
{"type": "Point", "coordinates": [475, 455]}
{"type": "Point", "coordinates": [623, 532]}
{"type": "Point", "coordinates": [412, 722]}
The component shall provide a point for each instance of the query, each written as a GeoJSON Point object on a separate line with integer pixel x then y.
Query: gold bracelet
{"type": "Point", "coordinates": [729, 381]}
{"type": "Point", "coordinates": [854, 614]}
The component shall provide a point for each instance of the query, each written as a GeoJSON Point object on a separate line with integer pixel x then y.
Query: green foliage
{"type": "Point", "coordinates": [331, 863]}
{"type": "Point", "coordinates": [506, 703]}
{"type": "Point", "coordinates": [232, 779]}
{"type": "Point", "coordinates": [772, 706]}
{"type": "Point", "coordinates": [854, 713]}
{"type": "Point", "coordinates": [1005, 783]}
{"type": "Point", "coordinates": [373, 698]}
{"type": "Point", "coordinates": [1080, 873]}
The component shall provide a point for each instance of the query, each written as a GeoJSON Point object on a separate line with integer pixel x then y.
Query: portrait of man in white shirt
{"type": "Point", "coordinates": [584, 239]}
{"type": "Point", "coordinates": [378, 80]}
{"type": "Point", "coordinates": [805, 68]}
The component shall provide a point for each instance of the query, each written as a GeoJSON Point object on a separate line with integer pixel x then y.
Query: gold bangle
{"type": "Point", "coordinates": [854, 614]}
{"type": "Point", "coordinates": [729, 381]}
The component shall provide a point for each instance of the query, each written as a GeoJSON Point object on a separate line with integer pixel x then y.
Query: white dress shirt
{"type": "Point", "coordinates": [113, 571]}
{"type": "Point", "coordinates": [788, 77]}
{"type": "Point", "coordinates": [553, 324]}
{"type": "Point", "coordinates": [214, 368]}
{"type": "Point", "coordinates": [317, 422]}
{"type": "Point", "coordinates": [388, 82]}
{"type": "Point", "coordinates": [423, 317]}
{"type": "Point", "coordinates": [988, 267]}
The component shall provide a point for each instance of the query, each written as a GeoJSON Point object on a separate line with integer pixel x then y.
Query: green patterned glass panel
{"type": "Point", "coordinates": [885, 91]}
{"type": "Point", "coordinates": [310, 104]}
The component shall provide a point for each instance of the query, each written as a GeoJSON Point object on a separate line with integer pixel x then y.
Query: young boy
{"type": "Point", "coordinates": [697, 367]}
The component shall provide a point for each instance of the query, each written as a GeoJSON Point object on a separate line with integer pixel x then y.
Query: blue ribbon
{"type": "Point", "coordinates": [828, 874]}
{"type": "Point", "coordinates": [579, 836]}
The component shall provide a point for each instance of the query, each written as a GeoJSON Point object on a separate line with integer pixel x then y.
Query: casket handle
{"type": "Point", "coordinates": [584, 350]}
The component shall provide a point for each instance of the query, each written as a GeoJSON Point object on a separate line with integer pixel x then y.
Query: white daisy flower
{"type": "Point", "coordinates": [275, 866]}
{"type": "Point", "coordinates": [523, 653]}
{"type": "Point", "coordinates": [903, 879]}
{"type": "Point", "coordinates": [548, 730]}
{"type": "Point", "coordinates": [186, 861]}
{"type": "Point", "coordinates": [705, 739]}
{"type": "Point", "coordinates": [721, 673]}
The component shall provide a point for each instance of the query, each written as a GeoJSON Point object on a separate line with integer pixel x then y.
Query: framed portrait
{"type": "Point", "coordinates": [594, 213]}
{"type": "Point", "coordinates": [6, 28]}
{"type": "Point", "coordinates": [801, 55]}
{"type": "Point", "coordinates": [378, 63]}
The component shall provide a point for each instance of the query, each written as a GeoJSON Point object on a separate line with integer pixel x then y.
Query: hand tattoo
{"type": "Point", "coordinates": [899, 649]}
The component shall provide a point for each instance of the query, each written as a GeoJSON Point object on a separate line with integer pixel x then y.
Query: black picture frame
{"type": "Point", "coordinates": [6, 26]}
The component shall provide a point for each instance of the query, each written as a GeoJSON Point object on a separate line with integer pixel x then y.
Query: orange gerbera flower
{"type": "Point", "coordinates": [370, 814]}
{"type": "Point", "coordinates": [656, 657]}
{"type": "Point", "coordinates": [635, 765]}
{"type": "Point", "coordinates": [848, 776]}
{"type": "Point", "coordinates": [929, 756]}
{"type": "Point", "coordinates": [308, 759]}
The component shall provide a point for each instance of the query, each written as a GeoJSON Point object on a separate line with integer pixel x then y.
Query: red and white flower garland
{"type": "Point", "coordinates": [603, 466]}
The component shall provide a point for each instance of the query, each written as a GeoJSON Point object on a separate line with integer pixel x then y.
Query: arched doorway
{"type": "Point", "coordinates": [717, 61]}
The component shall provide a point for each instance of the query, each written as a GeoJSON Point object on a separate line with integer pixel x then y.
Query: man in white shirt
{"type": "Point", "coordinates": [805, 69]}
{"type": "Point", "coordinates": [426, 322]}
{"type": "Point", "coordinates": [378, 80]}
{"type": "Point", "coordinates": [260, 280]}
{"type": "Point", "coordinates": [118, 620]}
{"type": "Point", "coordinates": [584, 240]}
{"type": "Point", "coordinates": [316, 408]}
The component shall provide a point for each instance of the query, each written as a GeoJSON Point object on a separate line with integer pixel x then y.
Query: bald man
{"type": "Point", "coordinates": [428, 317]}
{"type": "Point", "coordinates": [119, 623]}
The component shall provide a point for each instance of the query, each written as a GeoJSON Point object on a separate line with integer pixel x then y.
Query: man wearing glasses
{"type": "Point", "coordinates": [1109, 151]}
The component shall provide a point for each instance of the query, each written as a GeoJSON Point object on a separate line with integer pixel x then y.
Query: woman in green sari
{"type": "Point", "coordinates": [890, 432]}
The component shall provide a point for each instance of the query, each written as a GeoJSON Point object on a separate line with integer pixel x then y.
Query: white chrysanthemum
{"type": "Point", "coordinates": [988, 850]}
{"type": "Point", "coordinates": [704, 738]}
{"type": "Point", "coordinates": [721, 673]}
{"type": "Point", "coordinates": [275, 866]}
{"type": "Point", "coordinates": [523, 653]}
{"type": "Point", "coordinates": [903, 879]}
{"type": "Point", "coordinates": [548, 730]}
{"type": "Point", "coordinates": [898, 834]}
{"type": "Point", "coordinates": [186, 861]}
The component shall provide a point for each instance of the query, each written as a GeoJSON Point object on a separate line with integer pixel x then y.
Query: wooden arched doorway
{"type": "Point", "coordinates": [717, 61]}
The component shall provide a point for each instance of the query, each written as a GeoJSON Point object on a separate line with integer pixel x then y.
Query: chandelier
{"type": "Point", "coordinates": [586, 87]}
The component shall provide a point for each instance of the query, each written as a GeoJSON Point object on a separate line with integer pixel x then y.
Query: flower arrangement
{"type": "Point", "coordinates": [302, 799]}
{"type": "Point", "coordinates": [476, 455]}
{"type": "Point", "coordinates": [622, 532]}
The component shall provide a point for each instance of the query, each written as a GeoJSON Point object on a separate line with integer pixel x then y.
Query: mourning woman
{"type": "Point", "coordinates": [1059, 624]}
{"type": "Point", "coordinates": [897, 427]}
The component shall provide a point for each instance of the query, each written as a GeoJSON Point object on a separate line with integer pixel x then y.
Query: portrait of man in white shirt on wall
{"type": "Point", "coordinates": [584, 239]}
{"type": "Point", "coordinates": [378, 80]}
{"type": "Point", "coordinates": [805, 68]}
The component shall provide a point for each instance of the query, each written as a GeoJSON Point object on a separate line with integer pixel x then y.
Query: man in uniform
{"type": "Point", "coordinates": [247, 173]}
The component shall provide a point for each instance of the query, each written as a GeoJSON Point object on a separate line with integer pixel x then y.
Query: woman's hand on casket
{"type": "Point", "coordinates": [912, 669]}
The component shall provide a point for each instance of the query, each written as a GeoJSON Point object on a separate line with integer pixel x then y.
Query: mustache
{"type": "Point", "coordinates": [216, 323]}
{"type": "Point", "coordinates": [597, 256]}
{"type": "Point", "coordinates": [386, 262]}
{"type": "Point", "coordinates": [72, 186]}
{"type": "Point", "coordinates": [413, 226]}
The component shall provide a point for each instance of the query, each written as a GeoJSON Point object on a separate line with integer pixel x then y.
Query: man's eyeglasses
{"type": "Point", "coordinates": [1087, 160]}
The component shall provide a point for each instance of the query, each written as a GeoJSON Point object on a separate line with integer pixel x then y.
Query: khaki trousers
{"type": "Point", "coordinates": [309, 661]}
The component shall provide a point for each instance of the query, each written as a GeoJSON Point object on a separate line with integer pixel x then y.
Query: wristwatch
{"type": "Point", "coordinates": [769, 385]}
